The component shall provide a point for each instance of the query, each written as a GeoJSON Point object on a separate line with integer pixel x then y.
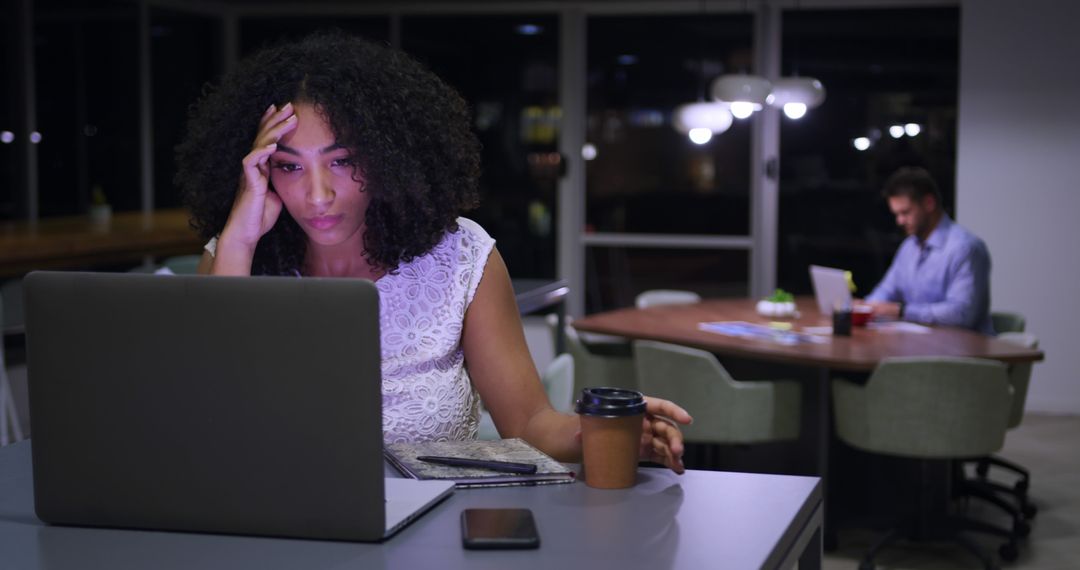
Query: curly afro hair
{"type": "Point", "coordinates": [408, 132]}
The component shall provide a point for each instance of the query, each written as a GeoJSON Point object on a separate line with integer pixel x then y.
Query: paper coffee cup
{"type": "Point", "coordinates": [610, 436]}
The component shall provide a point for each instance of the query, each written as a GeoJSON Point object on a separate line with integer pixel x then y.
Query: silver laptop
{"type": "Point", "coordinates": [246, 405]}
{"type": "Point", "coordinates": [830, 288]}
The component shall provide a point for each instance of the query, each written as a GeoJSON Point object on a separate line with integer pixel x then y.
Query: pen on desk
{"type": "Point", "coordinates": [504, 466]}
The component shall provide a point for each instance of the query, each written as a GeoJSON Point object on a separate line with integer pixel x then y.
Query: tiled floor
{"type": "Point", "coordinates": [1048, 446]}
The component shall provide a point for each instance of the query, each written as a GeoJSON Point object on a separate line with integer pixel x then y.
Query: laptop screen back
{"type": "Point", "coordinates": [830, 288]}
{"type": "Point", "coordinates": [241, 405]}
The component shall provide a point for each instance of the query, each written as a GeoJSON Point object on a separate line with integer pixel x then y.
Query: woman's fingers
{"type": "Point", "coordinates": [662, 407]}
{"type": "Point", "coordinates": [256, 169]}
{"type": "Point", "coordinates": [274, 125]}
{"type": "Point", "coordinates": [669, 433]}
{"type": "Point", "coordinates": [274, 133]}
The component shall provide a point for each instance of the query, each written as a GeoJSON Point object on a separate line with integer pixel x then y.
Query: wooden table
{"type": "Point", "coordinates": [77, 242]}
{"type": "Point", "coordinates": [861, 352]}
{"type": "Point", "coordinates": [858, 354]}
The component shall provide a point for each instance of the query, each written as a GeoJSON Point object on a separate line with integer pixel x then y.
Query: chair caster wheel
{"type": "Point", "coordinates": [1021, 529]}
{"type": "Point", "coordinates": [1029, 511]}
{"type": "Point", "coordinates": [866, 565]}
{"type": "Point", "coordinates": [1008, 552]}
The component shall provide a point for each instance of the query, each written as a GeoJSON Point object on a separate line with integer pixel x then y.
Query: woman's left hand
{"type": "Point", "coordinates": [661, 440]}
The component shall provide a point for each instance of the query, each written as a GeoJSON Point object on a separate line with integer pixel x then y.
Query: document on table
{"type": "Point", "coordinates": [743, 329]}
{"type": "Point", "coordinates": [899, 326]}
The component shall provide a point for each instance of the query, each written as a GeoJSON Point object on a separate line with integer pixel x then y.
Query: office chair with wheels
{"type": "Point", "coordinates": [657, 297]}
{"type": "Point", "coordinates": [982, 486]}
{"type": "Point", "coordinates": [558, 380]}
{"type": "Point", "coordinates": [934, 410]}
{"type": "Point", "coordinates": [10, 425]}
{"type": "Point", "coordinates": [725, 410]}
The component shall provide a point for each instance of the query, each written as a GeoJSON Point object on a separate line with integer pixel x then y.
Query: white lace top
{"type": "Point", "coordinates": [426, 391]}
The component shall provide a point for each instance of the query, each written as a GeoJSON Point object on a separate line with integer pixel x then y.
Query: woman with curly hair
{"type": "Point", "coordinates": [336, 157]}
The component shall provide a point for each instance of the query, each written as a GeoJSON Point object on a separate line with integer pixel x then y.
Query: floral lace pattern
{"type": "Point", "coordinates": [427, 394]}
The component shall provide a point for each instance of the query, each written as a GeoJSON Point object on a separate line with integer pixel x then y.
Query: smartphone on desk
{"type": "Point", "coordinates": [498, 529]}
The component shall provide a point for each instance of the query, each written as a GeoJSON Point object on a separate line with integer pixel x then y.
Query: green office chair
{"type": "Point", "coordinates": [725, 410]}
{"type": "Point", "coordinates": [1008, 322]}
{"type": "Point", "coordinates": [558, 380]}
{"type": "Point", "coordinates": [1019, 379]}
{"type": "Point", "coordinates": [603, 360]}
{"type": "Point", "coordinates": [929, 408]}
{"type": "Point", "coordinates": [182, 264]}
{"type": "Point", "coordinates": [657, 297]}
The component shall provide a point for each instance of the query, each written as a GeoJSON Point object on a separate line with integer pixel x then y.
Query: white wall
{"type": "Point", "coordinates": [1018, 173]}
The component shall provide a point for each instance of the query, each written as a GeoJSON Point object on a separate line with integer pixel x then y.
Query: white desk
{"type": "Point", "coordinates": [700, 520]}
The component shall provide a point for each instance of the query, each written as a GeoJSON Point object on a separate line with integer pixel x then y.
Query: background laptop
{"type": "Point", "coordinates": [247, 405]}
{"type": "Point", "coordinates": [830, 288]}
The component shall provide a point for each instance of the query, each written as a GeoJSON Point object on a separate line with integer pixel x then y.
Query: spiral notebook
{"type": "Point", "coordinates": [403, 457]}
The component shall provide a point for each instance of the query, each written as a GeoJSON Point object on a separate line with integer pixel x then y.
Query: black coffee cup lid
{"type": "Point", "coordinates": [610, 402]}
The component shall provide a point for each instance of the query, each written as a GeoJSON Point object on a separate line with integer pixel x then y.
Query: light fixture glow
{"type": "Point", "coordinates": [861, 143]}
{"type": "Point", "coordinates": [35, 137]}
{"type": "Point", "coordinates": [795, 110]}
{"type": "Point", "coordinates": [588, 151]}
{"type": "Point", "coordinates": [797, 95]}
{"type": "Point", "coordinates": [741, 87]}
{"type": "Point", "coordinates": [7, 137]}
{"type": "Point", "coordinates": [896, 131]}
{"type": "Point", "coordinates": [912, 129]}
{"type": "Point", "coordinates": [743, 109]}
{"type": "Point", "coordinates": [528, 29]}
{"type": "Point", "coordinates": [714, 117]}
{"type": "Point", "coordinates": [626, 59]}
{"type": "Point", "coordinates": [700, 135]}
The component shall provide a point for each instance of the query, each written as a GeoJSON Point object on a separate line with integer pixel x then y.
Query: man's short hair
{"type": "Point", "coordinates": [914, 183]}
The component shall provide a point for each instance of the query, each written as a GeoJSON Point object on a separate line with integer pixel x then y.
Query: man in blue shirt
{"type": "Point", "coordinates": [941, 273]}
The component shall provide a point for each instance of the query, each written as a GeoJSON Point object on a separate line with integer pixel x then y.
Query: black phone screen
{"type": "Point", "coordinates": [498, 528]}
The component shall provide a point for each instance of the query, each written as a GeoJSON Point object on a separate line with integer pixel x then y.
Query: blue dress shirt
{"type": "Point", "coordinates": [944, 281]}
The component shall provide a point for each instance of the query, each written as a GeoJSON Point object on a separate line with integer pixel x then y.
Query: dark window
{"type": "Point", "coordinates": [11, 111]}
{"type": "Point", "coordinates": [506, 68]}
{"type": "Point", "coordinates": [185, 56]}
{"type": "Point", "coordinates": [647, 177]}
{"type": "Point", "coordinates": [616, 274]}
{"type": "Point", "coordinates": [87, 110]}
{"type": "Point", "coordinates": [881, 69]}
{"type": "Point", "coordinates": [259, 32]}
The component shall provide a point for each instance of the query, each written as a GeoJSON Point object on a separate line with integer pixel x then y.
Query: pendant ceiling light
{"type": "Point", "coordinates": [709, 116]}
{"type": "Point", "coordinates": [796, 95]}
{"type": "Point", "coordinates": [742, 92]}
{"type": "Point", "coordinates": [702, 119]}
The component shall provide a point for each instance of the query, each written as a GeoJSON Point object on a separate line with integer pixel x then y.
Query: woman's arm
{"type": "Point", "coordinates": [503, 373]}
{"type": "Point", "coordinates": [256, 207]}
{"type": "Point", "coordinates": [206, 264]}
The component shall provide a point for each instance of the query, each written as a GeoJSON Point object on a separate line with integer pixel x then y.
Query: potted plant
{"type": "Point", "coordinates": [779, 304]}
{"type": "Point", "coordinates": [100, 210]}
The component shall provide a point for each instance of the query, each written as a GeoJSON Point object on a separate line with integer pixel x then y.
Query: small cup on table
{"type": "Point", "coordinates": [611, 420]}
{"type": "Point", "coordinates": [841, 321]}
{"type": "Point", "coordinates": [861, 314]}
